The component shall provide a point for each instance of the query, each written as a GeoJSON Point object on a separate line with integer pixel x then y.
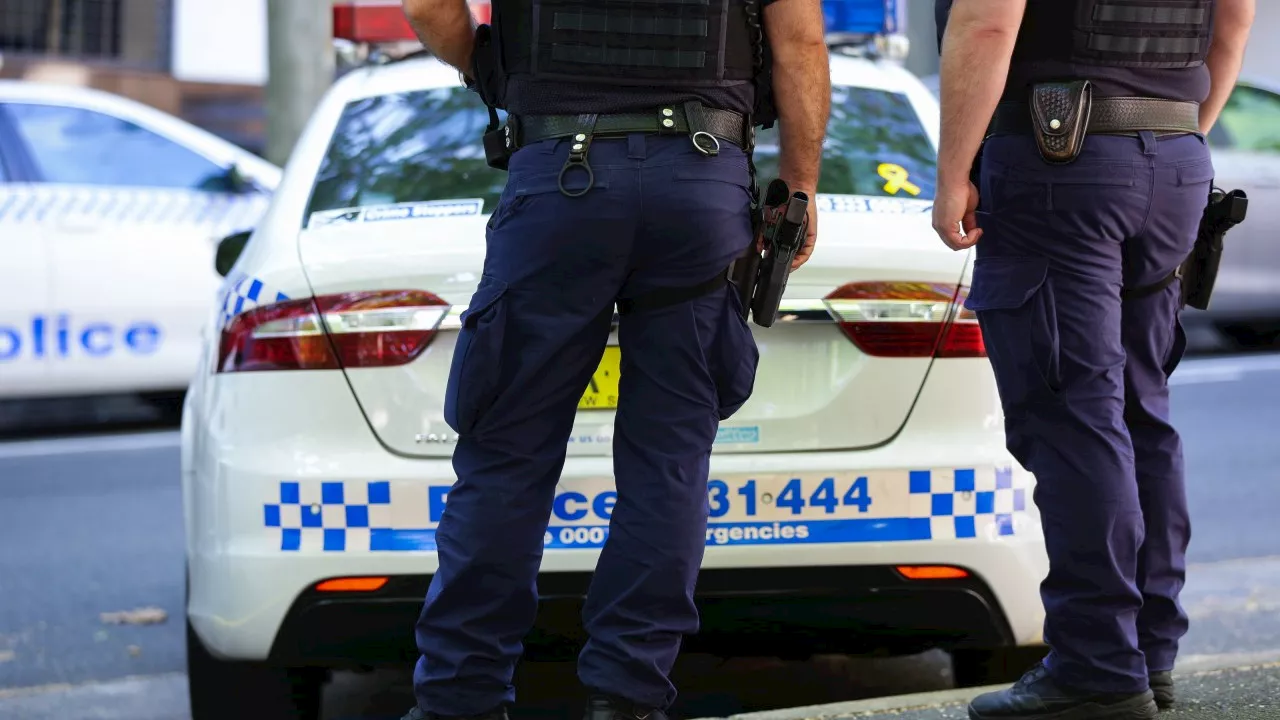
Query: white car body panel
{"type": "Point", "coordinates": [259, 448]}
{"type": "Point", "coordinates": [112, 284]}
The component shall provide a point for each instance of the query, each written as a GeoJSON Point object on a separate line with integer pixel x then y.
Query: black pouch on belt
{"type": "Point", "coordinates": [1060, 119]}
{"type": "Point", "coordinates": [490, 84]}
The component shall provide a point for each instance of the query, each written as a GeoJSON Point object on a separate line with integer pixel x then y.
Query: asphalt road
{"type": "Point", "coordinates": [94, 525]}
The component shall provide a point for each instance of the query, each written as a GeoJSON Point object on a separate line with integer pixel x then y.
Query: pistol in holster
{"type": "Point", "coordinates": [1200, 270]}
{"type": "Point", "coordinates": [760, 274]}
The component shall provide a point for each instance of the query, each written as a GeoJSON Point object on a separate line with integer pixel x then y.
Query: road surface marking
{"type": "Point", "coordinates": [1201, 371]}
{"type": "Point", "coordinates": [97, 444]}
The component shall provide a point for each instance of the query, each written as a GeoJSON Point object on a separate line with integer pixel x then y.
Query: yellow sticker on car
{"type": "Point", "coordinates": [602, 391]}
{"type": "Point", "coordinates": [897, 179]}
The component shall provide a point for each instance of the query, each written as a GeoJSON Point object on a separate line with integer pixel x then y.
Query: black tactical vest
{"type": "Point", "coordinates": [602, 56]}
{"type": "Point", "coordinates": [1146, 48]}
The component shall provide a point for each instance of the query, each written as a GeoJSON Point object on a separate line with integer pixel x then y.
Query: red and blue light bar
{"type": "Point", "coordinates": [864, 17]}
{"type": "Point", "coordinates": [382, 21]}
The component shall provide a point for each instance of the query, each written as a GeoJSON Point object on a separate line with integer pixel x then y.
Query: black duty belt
{"type": "Point", "coordinates": [709, 126]}
{"type": "Point", "coordinates": [705, 127]}
{"type": "Point", "coordinates": [1110, 116]}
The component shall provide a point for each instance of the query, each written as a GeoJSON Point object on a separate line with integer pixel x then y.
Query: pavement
{"type": "Point", "coordinates": [1220, 690]}
{"type": "Point", "coordinates": [100, 523]}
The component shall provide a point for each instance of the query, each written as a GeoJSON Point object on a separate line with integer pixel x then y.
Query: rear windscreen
{"type": "Point", "coordinates": [425, 145]}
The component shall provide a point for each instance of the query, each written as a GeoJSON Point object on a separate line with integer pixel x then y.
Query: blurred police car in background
{"type": "Point", "coordinates": [861, 500]}
{"type": "Point", "coordinates": [110, 213]}
{"type": "Point", "coordinates": [1246, 155]}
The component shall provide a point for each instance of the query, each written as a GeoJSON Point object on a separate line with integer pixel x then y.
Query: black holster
{"type": "Point", "coordinates": [1200, 271]}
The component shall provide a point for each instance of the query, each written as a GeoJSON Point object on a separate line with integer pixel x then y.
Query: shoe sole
{"type": "Point", "coordinates": [1142, 707]}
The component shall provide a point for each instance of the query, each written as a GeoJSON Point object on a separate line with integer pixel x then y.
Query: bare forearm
{"type": "Point", "coordinates": [801, 87]}
{"type": "Point", "coordinates": [803, 96]}
{"type": "Point", "coordinates": [975, 64]}
{"type": "Point", "coordinates": [1231, 35]}
{"type": "Point", "coordinates": [445, 27]}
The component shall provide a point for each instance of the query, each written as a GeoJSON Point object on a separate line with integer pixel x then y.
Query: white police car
{"type": "Point", "coordinates": [110, 212]}
{"type": "Point", "coordinates": [862, 499]}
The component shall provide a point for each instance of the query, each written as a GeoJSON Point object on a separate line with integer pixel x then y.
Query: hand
{"type": "Point", "coordinates": [811, 235]}
{"type": "Point", "coordinates": [956, 206]}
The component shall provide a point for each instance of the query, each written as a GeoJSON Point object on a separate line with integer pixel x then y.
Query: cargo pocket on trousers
{"type": "Point", "coordinates": [735, 358]}
{"type": "Point", "coordinates": [1013, 299]}
{"type": "Point", "coordinates": [474, 374]}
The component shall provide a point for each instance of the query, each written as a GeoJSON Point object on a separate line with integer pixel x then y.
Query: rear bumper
{"type": "Point", "coordinates": [798, 609]}
{"type": "Point", "coordinates": [250, 584]}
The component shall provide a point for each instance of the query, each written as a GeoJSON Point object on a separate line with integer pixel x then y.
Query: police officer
{"type": "Point", "coordinates": [627, 144]}
{"type": "Point", "coordinates": [1090, 199]}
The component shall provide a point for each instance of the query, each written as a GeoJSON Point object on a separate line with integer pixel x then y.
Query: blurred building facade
{"type": "Point", "coordinates": [203, 60]}
{"type": "Point", "coordinates": [206, 60]}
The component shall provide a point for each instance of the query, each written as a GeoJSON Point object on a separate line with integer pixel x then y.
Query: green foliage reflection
{"type": "Point", "coordinates": [426, 145]}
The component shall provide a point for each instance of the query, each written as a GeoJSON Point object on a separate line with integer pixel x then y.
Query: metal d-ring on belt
{"type": "Point", "coordinates": [578, 156]}
{"type": "Point", "coordinates": [707, 129]}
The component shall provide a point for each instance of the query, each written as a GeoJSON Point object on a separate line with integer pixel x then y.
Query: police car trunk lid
{"type": "Point", "coordinates": [862, 323]}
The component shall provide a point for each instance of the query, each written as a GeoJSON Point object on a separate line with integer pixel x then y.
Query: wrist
{"type": "Point", "coordinates": [799, 181]}
{"type": "Point", "coordinates": [954, 175]}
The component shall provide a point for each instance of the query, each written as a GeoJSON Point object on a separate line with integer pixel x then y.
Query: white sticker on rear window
{"type": "Point", "coordinates": [419, 210]}
{"type": "Point", "coordinates": [738, 435]}
{"type": "Point", "coordinates": [865, 204]}
{"type": "Point", "coordinates": [401, 211]}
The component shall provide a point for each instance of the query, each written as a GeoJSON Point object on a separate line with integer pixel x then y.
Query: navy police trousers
{"type": "Point", "coordinates": [658, 215]}
{"type": "Point", "coordinates": [1083, 378]}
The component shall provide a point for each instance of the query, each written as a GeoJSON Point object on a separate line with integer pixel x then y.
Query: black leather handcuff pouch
{"type": "Point", "coordinates": [1060, 119]}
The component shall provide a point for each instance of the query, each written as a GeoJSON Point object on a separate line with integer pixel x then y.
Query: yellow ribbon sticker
{"type": "Point", "coordinates": [896, 179]}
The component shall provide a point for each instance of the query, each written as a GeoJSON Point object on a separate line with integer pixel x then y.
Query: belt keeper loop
{"type": "Point", "coordinates": [668, 123]}
{"type": "Point", "coordinates": [578, 149]}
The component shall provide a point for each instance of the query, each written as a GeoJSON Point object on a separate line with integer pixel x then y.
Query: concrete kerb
{"type": "Point", "coordinates": [1193, 665]}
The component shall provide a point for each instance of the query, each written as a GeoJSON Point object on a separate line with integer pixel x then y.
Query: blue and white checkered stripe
{"type": "Point", "coordinates": [382, 516]}
{"type": "Point", "coordinates": [330, 516]}
{"type": "Point", "coordinates": [242, 292]}
{"type": "Point", "coordinates": [211, 213]}
{"type": "Point", "coordinates": [965, 503]}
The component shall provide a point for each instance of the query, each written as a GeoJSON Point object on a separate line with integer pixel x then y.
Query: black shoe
{"type": "Point", "coordinates": [605, 707]}
{"type": "Point", "coordinates": [1037, 697]}
{"type": "Point", "coordinates": [418, 713]}
{"type": "Point", "coordinates": [1162, 688]}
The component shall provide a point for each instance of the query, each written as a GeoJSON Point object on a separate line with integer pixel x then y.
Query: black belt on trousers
{"type": "Point", "coordinates": [723, 125]}
{"type": "Point", "coordinates": [1110, 116]}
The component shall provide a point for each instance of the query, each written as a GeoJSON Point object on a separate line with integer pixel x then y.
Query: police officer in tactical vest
{"type": "Point", "coordinates": [1093, 179]}
{"type": "Point", "coordinates": [629, 132]}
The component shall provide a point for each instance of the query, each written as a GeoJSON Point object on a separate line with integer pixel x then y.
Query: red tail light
{"type": "Point", "coordinates": [901, 319]}
{"type": "Point", "coordinates": [352, 330]}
